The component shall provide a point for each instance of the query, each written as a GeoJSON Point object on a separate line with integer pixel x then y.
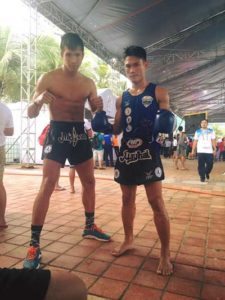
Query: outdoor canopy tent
{"type": "Point", "coordinates": [184, 42]}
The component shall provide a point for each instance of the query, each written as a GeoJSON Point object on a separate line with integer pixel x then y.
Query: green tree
{"type": "Point", "coordinates": [48, 54]}
{"type": "Point", "coordinates": [48, 58]}
{"type": "Point", "coordinates": [219, 131]}
{"type": "Point", "coordinates": [9, 64]}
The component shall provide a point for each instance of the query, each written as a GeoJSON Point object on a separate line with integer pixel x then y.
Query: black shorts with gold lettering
{"type": "Point", "coordinates": [138, 163]}
{"type": "Point", "coordinates": [67, 140]}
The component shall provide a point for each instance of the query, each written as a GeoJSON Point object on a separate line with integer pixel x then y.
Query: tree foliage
{"type": "Point", "coordinates": [219, 130]}
{"type": "Point", "coordinates": [9, 64]}
{"type": "Point", "coordinates": [48, 58]}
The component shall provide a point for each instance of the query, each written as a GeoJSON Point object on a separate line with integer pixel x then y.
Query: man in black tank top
{"type": "Point", "coordinates": [139, 160]}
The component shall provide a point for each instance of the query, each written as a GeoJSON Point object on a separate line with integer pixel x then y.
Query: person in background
{"type": "Point", "coordinates": [174, 149]}
{"type": "Point", "coordinates": [181, 149]}
{"type": "Point", "coordinates": [167, 147]}
{"type": "Point", "coordinates": [6, 129]}
{"type": "Point", "coordinates": [205, 144]}
{"type": "Point", "coordinates": [221, 146]}
{"type": "Point", "coordinates": [115, 143]}
{"type": "Point", "coordinates": [98, 150]}
{"type": "Point", "coordinates": [108, 150]}
{"type": "Point", "coordinates": [189, 148]}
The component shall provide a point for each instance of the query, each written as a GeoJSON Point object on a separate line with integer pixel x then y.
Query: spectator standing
{"type": "Point", "coordinates": [115, 143]}
{"type": "Point", "coordinates": [108, 150]}
{"type": "Point", "coordinates": [181, 149]}
{"type": "Point", "coordinates": [6, 129]}
{"type": "Point", "coordinates": [98, 150]}
{"type": "Point", "coordinates": [205, 142]}
{"type": "Point", "coordinates": [221, 146]}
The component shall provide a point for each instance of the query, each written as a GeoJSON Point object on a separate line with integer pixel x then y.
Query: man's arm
{"type": "Point", "coordinates": [40, 97]}
{"type": "Point", "coordinates": [162, 97]}
{"type": "Point", "coordinates": [214, 146]}
{"type": "Point", "coordinates": [94, 101]}
{"type": "Point", "coordinates": [194, 147]}
{"type": "Point", "coordinates": [117, 126]}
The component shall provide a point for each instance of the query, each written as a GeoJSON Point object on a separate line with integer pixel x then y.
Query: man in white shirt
{"type": "Point", "coordinates": [205, 141]}
{"type": "Point", "coordinates": [6, 129]}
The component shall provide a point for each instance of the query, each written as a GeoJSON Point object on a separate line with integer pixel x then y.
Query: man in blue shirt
{"type": "Point", "coordinates": [108, 150]}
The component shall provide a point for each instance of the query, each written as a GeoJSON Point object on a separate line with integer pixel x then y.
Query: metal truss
{"type": "Point", "coordinates": [183, 34]}
{"type": "Point", "coordinates": [193, 71]}
{"type": "Point", "coordinates": [28, 80]}
{"type": "Point", "coordinates": [184, 55]}
{"type": "Point", "coordinates": [53, 13]}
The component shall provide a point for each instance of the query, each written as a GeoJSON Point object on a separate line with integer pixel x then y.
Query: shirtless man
{"type": "Point", "coordinates": [139, 158]}
{"type": "Point", "coordinates": [65, 90]}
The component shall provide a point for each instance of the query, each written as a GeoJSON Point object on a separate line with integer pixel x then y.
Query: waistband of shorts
{"type": "Point", "coordinates": [67, 125]}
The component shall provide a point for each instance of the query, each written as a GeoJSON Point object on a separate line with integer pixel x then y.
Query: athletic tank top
{"type": "Point", "coordinates": [138, 113]}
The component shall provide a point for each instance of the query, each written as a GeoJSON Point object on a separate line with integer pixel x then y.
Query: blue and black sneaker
{"type": "Point", "coordinates": [96, 233]}
{"type": "Point", "coordinates": [32, 261]}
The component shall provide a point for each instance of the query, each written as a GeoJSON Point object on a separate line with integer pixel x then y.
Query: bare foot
{"type": "Point", "coordinates": [72, 191]}
{"type": "Point", "coordinates": [124, 247]}
{"type": "Point", "coordinates": [165, 267]}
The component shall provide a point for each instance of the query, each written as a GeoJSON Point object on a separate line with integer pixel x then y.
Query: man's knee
{"type": "Point", "coordinates": [128, 200]}
{"type": "Point", "coordinates": [77, 286]}
{"type": "Point", "coordinates": [89, 183]}
{"type": "Point", "coordinates": [49, 182]}
{"type": "Point", "coordinates": [157, 205]}
{"type": "Point", "coordinates": [66, 286]}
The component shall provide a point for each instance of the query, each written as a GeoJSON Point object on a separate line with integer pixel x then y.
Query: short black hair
{"type": "Point", "coordinates": [204, 120]}
{"type": "Point", "coordinates": [135, 51]}
{"type": "Point", "coordinates": [71, 41]}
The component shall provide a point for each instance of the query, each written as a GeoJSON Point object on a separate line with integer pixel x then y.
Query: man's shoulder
{"type": "Point", "coordinates": [198, 131]}
{"type": "Point", "coordinates": [160, 89]}
{"type": "Point", "coordinates": [45, 77]}
{"type": "Point", "coordinates": [54, 73]}
{"type": "Point", "coordinates": [87, 81]}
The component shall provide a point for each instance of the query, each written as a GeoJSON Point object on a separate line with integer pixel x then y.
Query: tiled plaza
{"type": "Point", "coordinates": [197, 214]}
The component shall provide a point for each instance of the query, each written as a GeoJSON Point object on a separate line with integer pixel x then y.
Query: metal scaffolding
{"type": "Point", "coordinates": [53, 13]}
{"type": "Point", "coordinates": [28, 81]}
{"type": "Point", "coordinates": [183, 34]}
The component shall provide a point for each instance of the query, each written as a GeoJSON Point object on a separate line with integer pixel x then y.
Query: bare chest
{"type": "Point", "coordinates": [70, 91]}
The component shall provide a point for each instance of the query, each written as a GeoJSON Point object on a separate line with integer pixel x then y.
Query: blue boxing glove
{"type": "Point", "coordinates": [165, 122]}
{"type": "Point", "coordinates": [100, 123]}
